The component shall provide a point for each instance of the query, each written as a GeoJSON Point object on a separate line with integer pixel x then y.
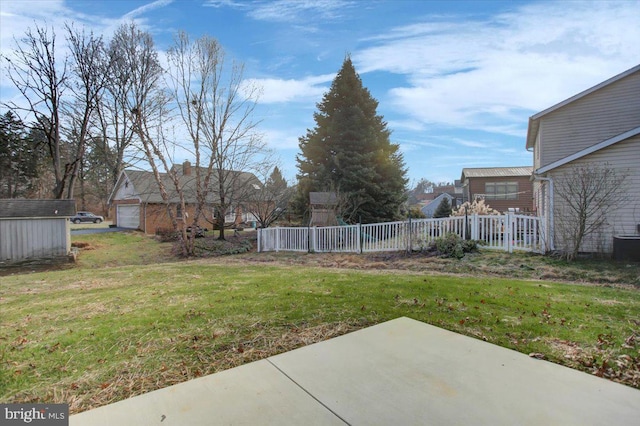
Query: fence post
{"type": "Point", "coordinates": [259, 239]}
{"type": "Point", "coordinates": [508, 234]}
{"type": "Point", "coordinates": [360, 237]}
{"type": "Point", "coordinates": [312, 239]}
{"type": "Point", "coordinates": [474, 226]}
{"type": "Point", "coordinates": [409, 242]}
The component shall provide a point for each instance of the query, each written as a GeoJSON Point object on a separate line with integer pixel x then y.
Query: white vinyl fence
{"type": "Point", "coordinates": [500, 232]}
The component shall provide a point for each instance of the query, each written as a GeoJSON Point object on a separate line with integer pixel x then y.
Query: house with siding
{"type": "Point", "coordinates": [136, 201]}
{"type": "Point", "coordinates": [35, 229]}
{"type": "Point", "coordinates": [600, 125]}
{"type": "Point", "coordinates": [430, 207]}
{"type": "Point", "coordinates": [503, 188]}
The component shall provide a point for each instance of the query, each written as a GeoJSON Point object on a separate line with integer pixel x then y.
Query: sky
{"type": "Point", "coordinates": [456, 81]}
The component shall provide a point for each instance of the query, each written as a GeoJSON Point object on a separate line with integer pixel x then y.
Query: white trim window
{"type": "Point", "coordinates": [501, 190]}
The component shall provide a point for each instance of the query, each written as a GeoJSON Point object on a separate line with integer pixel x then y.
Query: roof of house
{"type": "Point", "coordinates": [323, 198]}
{"type": "Point", "coordinates": [37, 208]}
{"type": "Point", "coordinates": [146, 186]}
{"type": "Point", "coordinates": [433, 204]}
{"type": "Point", "coordinates": [534, 120]}
{"type": "Point", "coordinates": [482, 172]}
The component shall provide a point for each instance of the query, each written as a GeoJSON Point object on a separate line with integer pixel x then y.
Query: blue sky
{"type": "Point", "coordinates": [456, 81]}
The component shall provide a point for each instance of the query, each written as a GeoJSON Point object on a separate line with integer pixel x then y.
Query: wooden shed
{"type": "Point", "coordinates": [35, 229]}
{"type": "Point", "coordinates": [323, 208]}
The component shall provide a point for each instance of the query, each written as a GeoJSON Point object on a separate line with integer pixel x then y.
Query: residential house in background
{"type": "Point", "coordinates": [600, 125]}
{"type": "Point", "coordinates": [136, 201]}
{"type": "Point", "coordinates": [506, 189]}
{"type": "Point", "coordinates": [35, 229]}
{"type": "Point", "coordinates": [427, 202]}
{"type": "Point", "coordinates": [430, 207]}
{"type": "Point", "coordinates": [433, 191]}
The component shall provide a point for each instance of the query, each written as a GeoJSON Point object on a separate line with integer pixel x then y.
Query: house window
{"type": "Point", "coordinates": [179, 211]}
{"type": "Point", "coordinates": [501, 190]}
{"type": "Point", "coordinates": [230, 215]}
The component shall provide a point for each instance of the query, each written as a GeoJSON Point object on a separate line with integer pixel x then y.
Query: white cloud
{"type": "Point", "coordinates": [279, 90]}
{"type": "Point", "coordinates": [289, 11]}
{"type": "Point", "coordinates": [146, 8]}
{"type": "Point", "coordinates": [482, 74]}
{"type": "Point", "coordinates": [281, 138]}
{"type": "Point", "coordinates": [296, 10]}
{"type": "Point", "coordinates": [470, 144]}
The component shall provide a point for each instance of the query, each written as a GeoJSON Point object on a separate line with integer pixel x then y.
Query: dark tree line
{"type": "Point", "coordinates": [21, 157]}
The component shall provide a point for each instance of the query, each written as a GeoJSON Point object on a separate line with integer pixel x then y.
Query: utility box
{"type": "Point", "coordinates": [626, 248]}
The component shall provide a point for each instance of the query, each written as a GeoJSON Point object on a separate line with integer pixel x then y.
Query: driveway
{"type": "Point", "coordinates": [98, 230]}
{"type": "Point", "coordinates": [402, 372]}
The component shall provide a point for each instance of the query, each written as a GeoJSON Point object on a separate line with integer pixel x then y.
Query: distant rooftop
{"type": "Point", "coordinates": [496, 172]}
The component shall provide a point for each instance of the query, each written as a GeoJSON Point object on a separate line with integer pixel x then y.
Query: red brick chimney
{"type": "Point", "coordinates": [186, 168]}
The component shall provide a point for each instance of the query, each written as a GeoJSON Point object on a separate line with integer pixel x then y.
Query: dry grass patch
{"type": "Point", "coordinates": [155, 364]}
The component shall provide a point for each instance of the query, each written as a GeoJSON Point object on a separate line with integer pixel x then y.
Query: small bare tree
{"type": "Point", "coordinates": [588, 195]}
{"type": "Point", "coordinates": [270, 202]}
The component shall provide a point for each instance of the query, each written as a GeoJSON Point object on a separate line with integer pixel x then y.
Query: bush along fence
{"type": "Point", "coordinates": [500, 232]}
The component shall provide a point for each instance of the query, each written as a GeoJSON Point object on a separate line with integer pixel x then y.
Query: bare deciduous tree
{"type": "Point", "coordinates": [148, 108]}
{"type": "Point", "coordinates": [216, 108]}
{"type": "Point", "coordinates": [34, 70]}
{"type": "Point", "coordinates": [114, 114]}
{"type": "Point", "coordinates": [588, 194]}
{"type": "Point", "coordinates": [90, 69]}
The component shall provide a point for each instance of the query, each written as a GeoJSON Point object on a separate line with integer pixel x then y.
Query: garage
{"type": "Point", "coordinates": [128, 216]}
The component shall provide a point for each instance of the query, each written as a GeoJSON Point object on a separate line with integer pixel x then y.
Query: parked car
{"type": "Point", "coordinates": [86, 217]}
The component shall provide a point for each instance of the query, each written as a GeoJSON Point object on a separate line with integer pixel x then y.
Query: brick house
{"type": "Point", "coordinates": [136, 201]}
{"type": "Point", "coordinates": [503, 188]}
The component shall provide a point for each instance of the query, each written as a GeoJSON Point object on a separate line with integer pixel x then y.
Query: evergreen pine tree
{"type": "Point", "coordinates": [349, 152]}
{"type": "Point", "coordinates": [19, 157]}
{"type": "Point", "coordinates": [275, 181]}
{"type": "Point", "coordinates": [444, 209]}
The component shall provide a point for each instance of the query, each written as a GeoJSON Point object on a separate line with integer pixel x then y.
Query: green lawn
{"type": "Point", "coordinates": [128, 318]}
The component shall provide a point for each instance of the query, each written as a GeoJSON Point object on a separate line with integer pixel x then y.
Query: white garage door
{"type": "Point", "coordinates": [129, 216]}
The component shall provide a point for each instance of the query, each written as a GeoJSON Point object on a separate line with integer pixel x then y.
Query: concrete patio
{"type": "Point", "coordinates": [402, 372]}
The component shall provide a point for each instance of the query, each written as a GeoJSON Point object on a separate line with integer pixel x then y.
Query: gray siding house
{"type": "Point", "coordinates": [430, 208]}
{"type": "Point", "coordinates": [35, 229]}
{"type": "Point", "coordinates": [600, 125]}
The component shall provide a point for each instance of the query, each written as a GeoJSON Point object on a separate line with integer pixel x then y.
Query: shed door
{"type": "Point", "coordinates": [129, 216]}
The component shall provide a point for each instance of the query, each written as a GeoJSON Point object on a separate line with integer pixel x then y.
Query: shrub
{"type": "Point", "coordinates": [166, 234]}
{"type": "Point", "coordinates": [477, 207]}
{"type": "Point", "coordinates": [416, 213]}
{"type": "Point", "coordinates": [452, 245]}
